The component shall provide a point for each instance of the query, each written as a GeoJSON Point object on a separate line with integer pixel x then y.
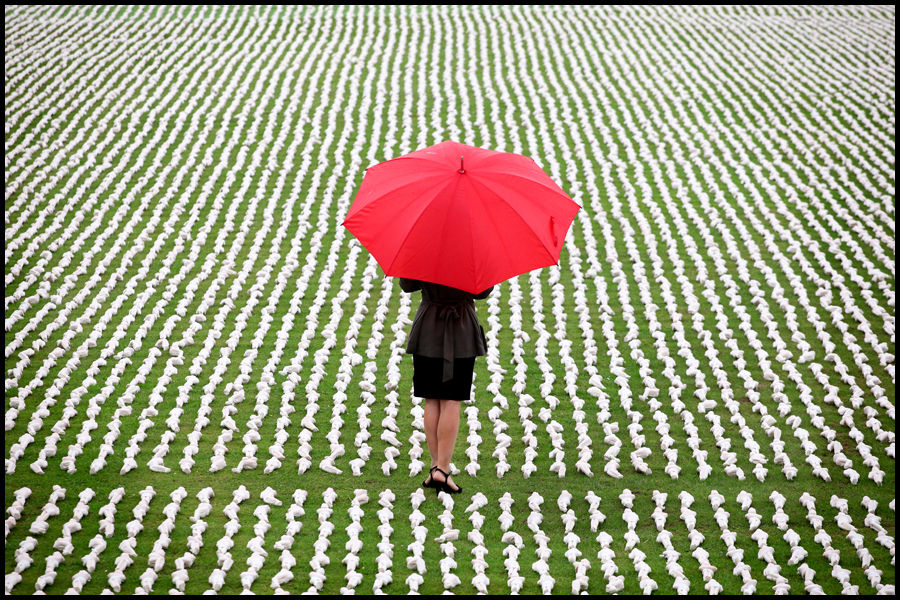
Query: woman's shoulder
{"type": "Point", "coordinates": [444, 293]}
{"type": "Point", "coordinates": [440, 292]}
{"type": "Point", "coordinates": [410, 285]}
{"type": "Point", "coordinates": [484, 294]}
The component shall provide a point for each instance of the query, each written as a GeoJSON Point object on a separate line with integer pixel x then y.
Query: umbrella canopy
{"type": "Point", "coordinates": [460, 216]}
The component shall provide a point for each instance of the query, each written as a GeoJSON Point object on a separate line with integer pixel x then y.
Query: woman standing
{"type": "Point", "coordinates": [444, 341]}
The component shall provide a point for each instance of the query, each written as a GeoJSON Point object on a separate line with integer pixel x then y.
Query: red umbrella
{"type": "Point", "coordinates": [460, 216]}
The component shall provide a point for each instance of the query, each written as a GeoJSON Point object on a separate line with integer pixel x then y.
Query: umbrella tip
{"type": "Point", "coordinates": [461, 168]}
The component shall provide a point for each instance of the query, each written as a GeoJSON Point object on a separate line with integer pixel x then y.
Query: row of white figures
{"type": "Point", "coordinates": [350, 359]}
{"type": "Point", "coordinates": [480, 580]}
{"type": "Point", "coordinates": [417, 437]}
{"type": "Point", "coordinates": [284, 545]}
{"type": "Point", "coordinates": [448, 563]}
{"type": "Point", "coordinates": [97, 544]}
{"type": "Point", "coordinates": [398, 351]}
{"type": "Point", "coordinates": [224, 559]}
{"type": "Point", "coordinates": [322, 543]}
{"type": "Point", "coordinates": [40, 524]}
{"type": "Point", "coordinates": [525, 413]}
{"type": "Point", "coordinates": [415, 562]}
{"type": "Point", "coordinates": [195, 540]}
{"type": "Point", "coordinates": [734, 553]}
{"type": "Point", "coordinates": [23, 561]}
{"type": "Point", "coordinates": [492, 360]}
{"type": "Point", "coordinates": [14, 511]}
{"type": "Point", "coordinates": [573, 554]}
{"type": "Point", "coordinates": [361, 441]}
{"type": "Point", "coordinates": [571, 374]}
{"type": "Point", "coordinates": [384, 561]}
{"type": "Point", "coordinates": [258, 554]}
{"type": "Point", "coordinates": [39, 527]}
{"type": "Point", "coordinates": [354, 544]}
{"type": "Point", "coordinates": [533, 521]}
{"type": "Point", "coordinates": [375, 339]}
{"type": "Point", "coordinates": [512, 539]}
{"type": "Point", "coordinates": [116, 577]}
{"type": "Point", "coordinates": [707, 569]}
{"type": "Point", "coordinates": [772, 570]}
{"type": "Point", "coordinates": [541, 343]}
{"type": "Point", "coordinates": [664, 537]}
{"type": "Point", "coordinates": [157, 557]}
{"type": "Point", "coordinates": [474, 440]}
{"type": "Point", "coordinates": [830, 553]}
{"type": "Point", "coordinates": [873, 522]}
{"type": "Point", "coordinates": [320, 358]}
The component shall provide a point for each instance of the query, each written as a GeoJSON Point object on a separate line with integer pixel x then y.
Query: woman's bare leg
{"type": "Point", "coordinates": [431, 417]}
{"type": "Point", "coordinates": [447, 430]}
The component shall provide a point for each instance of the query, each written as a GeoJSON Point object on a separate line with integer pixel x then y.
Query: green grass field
{"type": "Point", "coordinates": [176, 179]}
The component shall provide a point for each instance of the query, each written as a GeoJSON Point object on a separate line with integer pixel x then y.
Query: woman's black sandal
{"type": "Point", "coordinates": [431, 476]}
{"type": "Point", "coordinates": [443, 486]}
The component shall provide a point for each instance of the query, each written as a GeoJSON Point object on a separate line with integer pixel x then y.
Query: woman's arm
{"type": "Point", "coordinates": [410, 285]}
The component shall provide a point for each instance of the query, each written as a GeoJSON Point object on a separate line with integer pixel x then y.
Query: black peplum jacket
{"type": "Point", "coordinates": [446, 325]}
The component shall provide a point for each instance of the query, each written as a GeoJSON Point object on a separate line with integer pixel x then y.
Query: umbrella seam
{"type": "Point", "coordinates": [471, 235]}
{"type": "Point", "coordinates": [491, 217]}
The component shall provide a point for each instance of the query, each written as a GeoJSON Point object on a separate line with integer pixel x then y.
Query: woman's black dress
{"type": "Point", "coordinates": [444, 341]}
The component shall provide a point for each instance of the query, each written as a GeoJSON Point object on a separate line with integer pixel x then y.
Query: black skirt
{"type": "Point", "coordinates": [428, 374]}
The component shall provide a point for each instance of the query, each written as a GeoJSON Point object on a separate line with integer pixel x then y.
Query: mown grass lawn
{"type": "Point", "coordinates": [199, 153]}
